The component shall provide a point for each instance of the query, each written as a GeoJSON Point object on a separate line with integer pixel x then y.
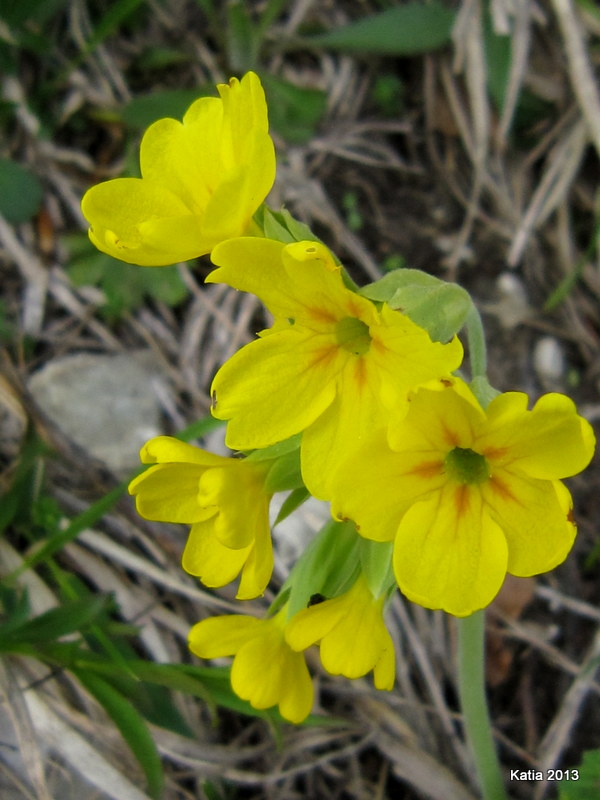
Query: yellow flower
{"type": "Point", "coordinates": [265, 671]}
{"type": "Point", "coordinates": [225, 502]}
{"type": "Point", "coordinates": [352, 635]}
{"type": "Point", "coordinates": [466, 494]}
{"type": "Point", "coordinates": [331, 364]}
{"type": "Point", "coordinates": [202, 180]}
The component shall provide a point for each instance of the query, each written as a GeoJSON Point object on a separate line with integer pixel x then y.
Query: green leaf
{"type": "Point", "coordinates": [116, 13]}
{"type": "Point", "coordinates": [399, 31]}
{"type": "Point", "coordinates": [130, 724]}
{"type": "Point", "coordinates": [142, 111]}
{"type": "Point", "coordinates": [281, 226]}
{"type": "Point", "coordinates": [243, 38]}
{"type": "Point", "coordinates": [293, 501]}
{"type": "Point", "coordinates": [84, 520]}
{"type": "Point", "coordinates": [17, 12]}
{"type": "Point", "coordinates": [329, 564]}
{"type": "Point", "coordinates": [439, 307]}
{"type": "Point", "coordinates": [20, 192]}
{"type": "Point", "coordinates": [583, 782]}
{"type": "Point", "coordinates": [294, 111]}
{"type": "Point", "coordinates": [498, 56]}
{"type": "Point", "coordinates": [285, 473]}
{"type": "Point", "coordinates": [376, 564]}
{"type": "Point", "coordinates": [276, 450]}
{"type": "Point", "coordinates": [200, 428]}
{"type": "Point", "coordinates": [56, 622]}
{"type": "Point", "coordinates": [126, 286]}
{"type": "Point", "coordinates": [15, 609]}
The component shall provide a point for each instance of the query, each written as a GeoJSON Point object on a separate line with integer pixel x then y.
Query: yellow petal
{"type": "Point", "coordinates": [355, 412]}
{"type": "Point", "coordinates": [535, 517]}
{"type": "Point", "coordinates": [257, 671]}
{"type": "Point", "coordinates": [551, 441]}
{"type": "Point", "coordinates": [244, 110]}
{"type": "Point", "coordinates": [205, 557]}
{"type": "Point", "coordinates": [168, 493]}
{"type": "Point", "coordinates": [222, 636]}
{"type": "Point", "coordinates": [290, 283]}
{"type": "Point", "coordinates": [351, 631]}
{"type": "Point", "coordinates": [449, 553]}
{"type": "Point", "coordinates": [257, 570]}
{"type": "Point", "coordinates": [439, 420]}
{"type": "Point", "coordinates": [240, 499]}
{"type": "Point", "coordinates": [296, 702]}
{"type": "Point", "coordinates": [240, 191]}
{"type": "Point", "coordinates": [266, 673]}
{"type": "Point", "coordinates": [274, 387]}
{"type": "Point", "coordinates": [310, 625]}
{"type": "Point", "coordinates": [168, 449]}
{"type": "Point", "coordinates": [375, 485]}
{"type": "Point", "coordinates": [116, 209]}
{"type": "Point", "coordinates": [406, 356]}
{"type": "Point", "coordinates": [384, 673]}
{"type": "Point", "coordinates": [203, 179]}
{"type": "Point", "coordinates": [185, 157]}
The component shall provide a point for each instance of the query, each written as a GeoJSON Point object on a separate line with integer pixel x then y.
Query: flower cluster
{"type": "Point", "coordinates": [438, 487]}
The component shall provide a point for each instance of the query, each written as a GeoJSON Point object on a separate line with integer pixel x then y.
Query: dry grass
{"type": "Point", "coordinates": [451, 187]}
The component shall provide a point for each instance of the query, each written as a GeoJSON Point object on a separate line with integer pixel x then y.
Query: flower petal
{"type": "Point", "coordinates": [439, 419]}
{"type": "Point", "coordinates": [384, 673]}
{"type": "Point", "coordinates": [310, 625]}
{"type": "Point", "coordinates": [168, 449]}
{"type": "Point", "coordinates": [222, 636]}
{"type": "Point", "coordinates": [342, 428]}
{"type": "Point", "coordinates": [293, 281]}
{"type": "Point", "coordinates": [296, 702]}
{"type": "Point", "coordinates": [405, 356]}
{"type": "Point", "coordinates": [535, 516]}
{"type": "Point", "coordinates": [274, 388]}
{"type": "Point", "coordinates": [257, 570]}
{"type": "Point", "coordinates": [240, 191]}
{"type": "Point", "coordinates": [206, 558]}
{"type": "Point", "coordinates": [168, 493]}
{"type": "Point", "coordinates": [375, 485]}
{"type": "Point", "coordinates": [257, 671]}
{"type": "Point", "coordinates": [550, 442]}
{"type": "Point", "coordinates": [185, 157]}
{"type": "Point", "coordinates": [118, 233]}
{"type": "Point", "coordinates": [449, 553]}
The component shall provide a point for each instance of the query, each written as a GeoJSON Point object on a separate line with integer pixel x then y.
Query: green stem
{"type": "Point", "coordinates": [471, 684]}
{"type": "Point", "coordinates": [476, 339]}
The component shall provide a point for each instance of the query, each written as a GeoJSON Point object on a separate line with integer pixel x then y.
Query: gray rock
{"type": "Point", "coordinates": [105, 403]}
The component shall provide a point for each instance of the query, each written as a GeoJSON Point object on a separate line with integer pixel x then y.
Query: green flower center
{"type": "Point", "coordinates": [353, 335]}
{"type": "Point", "coordinates": [466, 466]}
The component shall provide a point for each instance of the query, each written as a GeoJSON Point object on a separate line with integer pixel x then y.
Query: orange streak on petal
{"type": "Point", "coordinates": [461, 500]}
{"type": "Point", "coordinates": [502, 489]}
{"type": "Point", "coordinates": [324, 356]}
{"type": "Point", "coordinates": [378, 345]}
{"type": "Point", "coordinates": [428, 469]}
{"type": "Point", "coordinates": [495, 452]}
{"type": "Point", "coordinates": [450, 436]}
{"type": "Point", "coordinates": [353, 309]}
{"type": "Point", "coordinates": [322, 315]}
{"type": "Point", "coordinates": [360, 373]}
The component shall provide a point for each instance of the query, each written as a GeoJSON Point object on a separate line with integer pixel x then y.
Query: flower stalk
{"type": "Point", "coordinates": [476, 718]}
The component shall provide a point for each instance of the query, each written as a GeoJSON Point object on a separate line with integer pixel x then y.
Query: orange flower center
{"type": "Point", "coordinates": [466, 466]}
{"type": "Point", "coordinates": [353, 335]}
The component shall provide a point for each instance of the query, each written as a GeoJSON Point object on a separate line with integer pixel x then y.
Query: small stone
{"type": "Point", "coordinates": [512, 306]}
{"type": "Point", "coordinates": [104, 403]}
{"type": "Point", "coordinates": [549, 359]}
